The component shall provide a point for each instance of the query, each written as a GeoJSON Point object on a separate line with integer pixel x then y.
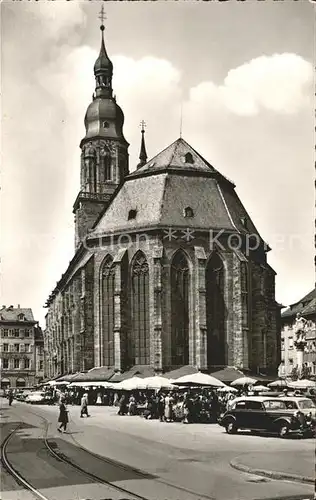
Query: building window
{"type": "Point", "coordinates": [188, 212]}
{"type": "Point", "coordinates": [26, 333]}
{"type": "Point", "coordinates": [139, 295]}
{"type": "Point", "coordinates": [282, 343]}
{"type": "Point", "coordinates": [26, 363]}
{"type": "Point", "coordinates": [290, 361]}
{"type": "Point", "coordinates": [5, 364]}
{"type": "Point", "coordinates": [244, 222]}
{"type": "Point", "coordinates": [132, 214]}
{"type": "Point", "coordinates": [108, 293]}
{"type": "Point", "coordinates": [264, 348]}
{"type": "Point", "coordinates": [188, 158]}
{"type": "Point", "coordinates": [27, 347]}
{"type": "Point", "coordinates": [5, 347]}
{"type": "Point", "coordinates": [244, 294]}
{"type": "Point", "coordinates": [5, 332]}
{"type": "Point", "coordinates": [314, 368]}
{"type": "Point", "coordinates": [16, 332]}
{"type": "Point", "coordinates": [105, 124]}
{"type": "Point", "coordinates": [16, 348]}
{"type": "Point", "coordinates": [40, 365]}
{"type": "Point", "coordinates": [16, 364]}
{"type": "Point", "coordinates": [290, 342]}
{"type": "Point", "coordinates": [180, 283]}
{"type": "Point", "coordinates": [216, 311]}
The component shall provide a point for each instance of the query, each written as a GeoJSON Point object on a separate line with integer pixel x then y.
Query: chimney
{"type": "Point", "coordinates": [19, 307]}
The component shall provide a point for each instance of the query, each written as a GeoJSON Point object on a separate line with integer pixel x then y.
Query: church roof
{"type": "Point", "coordinates": [159, 195]}
{"type": "Point", "coordinates": [179, 156]}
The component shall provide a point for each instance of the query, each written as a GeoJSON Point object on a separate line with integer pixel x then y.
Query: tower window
{"type": "Point", "coordinates": [132, 214]}
{"type": "Point", "coordinates": [188, 212]}
{"type": "Point", "coordinates": [189, 158]}
{"type": "Point", "coordinates": [105, 124]}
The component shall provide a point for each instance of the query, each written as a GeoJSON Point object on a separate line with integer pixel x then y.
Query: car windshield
{"type": "Point", "coordinates": [291, 405]}
{"type": "Point", "coordinates": [274, 404]}
{"type": "Point", "coordinates": [306, 404]}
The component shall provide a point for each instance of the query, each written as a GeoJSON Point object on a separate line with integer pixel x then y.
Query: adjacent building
{"type": "Point", "coordinates": [21, 348]}
{"type": "Point", "coordinates": [307, 308]}
{"type": "Point", "coordinates": [169, 269]}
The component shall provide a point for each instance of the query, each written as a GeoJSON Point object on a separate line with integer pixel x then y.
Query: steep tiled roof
{"type": "Point", "coordinates": [159, 192]}
{"type": "Point", "coordinates": [15, 314]}
{"type": "Point", "coordinates": [174, 158]}
{"type": "Point", "coordinates": [305, 306]}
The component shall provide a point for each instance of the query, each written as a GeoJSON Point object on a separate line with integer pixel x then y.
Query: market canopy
{"type": "Point", "coordinates": [227, 374]}
{"type": "Point", "coordinates": [244, 381]}
{"type": "Point", "coordinates": [226, 388]}
{"type": "Point", "coordinates": [155, 382]}
{"type": "Point", "coordinates": [97, 383]}
{"type": "Point", "coordinates": [54, 383]}
{"type": "Point", "coordinates": [129, 384]}
{"type": "Point", "coordinates": [260, 388]}
{"type": "Point", "coordinates": [302, 384]}
{"type": "Point", "coordinates": [279, 383]}
{"type": "Point", "coordinates": [199, 379]}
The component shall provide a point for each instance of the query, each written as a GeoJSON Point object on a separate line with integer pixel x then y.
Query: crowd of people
{"type": "Point", "coordinates": [187, 405]}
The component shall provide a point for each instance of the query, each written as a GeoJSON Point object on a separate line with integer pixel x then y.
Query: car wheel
{"type": "Point", "coordinates": [231, 427]}
{"type": "Point", "coordinates": [283, 430]}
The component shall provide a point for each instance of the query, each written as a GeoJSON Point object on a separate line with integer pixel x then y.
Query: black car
{"type": "Point", "coordinates": [265, 414]}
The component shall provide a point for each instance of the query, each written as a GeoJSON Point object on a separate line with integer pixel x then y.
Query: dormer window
{"type": "Point", "coordinates": [244, 222]}
{"type": "Point", "coordinates": [21, 316]}
{"type": "Point", "coordinates": [188, 158]}
{"type": "Point", "coordinates": [188, 212]}
{"type": "Point", "coordinates": [105, 124]}
{"type": "Point", "coordinates": [132, 214]}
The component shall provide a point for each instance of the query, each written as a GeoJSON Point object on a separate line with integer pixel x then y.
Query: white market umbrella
{"type": "Point", "coordinates": [302, 384]}
{"type": "Point", "coordinates": [260, 388]}
{"type": "Point", "coordinates": [53, 383]}
{"type": "Point", "coordinates": [199, 379]}
{"type": "Point", "coordinates": [244, 381]}
{"type": "Point", "coordinates": [155, 382]}
{"type": "Point", "coordinates": [279, 383]}
{"type": "Point", "coordinates": [129, 384]}
{"type": "Point", "coordinates": [91, 383]}
{"type": "Point", "coordinates": [227, 389]}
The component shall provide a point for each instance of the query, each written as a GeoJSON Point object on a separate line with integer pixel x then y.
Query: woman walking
{"type": "Point", "coordinates": [63, 416]}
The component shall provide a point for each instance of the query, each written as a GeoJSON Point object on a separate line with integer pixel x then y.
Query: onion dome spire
{"type": "Point", "coordinates": [103, 67]}
{"type": "Point", "coordinates": [143, 153]}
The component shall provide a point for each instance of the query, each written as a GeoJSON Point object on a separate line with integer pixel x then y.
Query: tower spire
{"type": "Point", "coordinates": [143, 153]}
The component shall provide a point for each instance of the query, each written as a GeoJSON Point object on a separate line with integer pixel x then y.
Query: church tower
{"type": "Point", "coordinates": [104, 150]}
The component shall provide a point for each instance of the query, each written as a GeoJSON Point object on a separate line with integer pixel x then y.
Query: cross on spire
{"type": "Point", "coordinates": [143, 125]}
{"type": "Point", "coordinates": [102, 16]}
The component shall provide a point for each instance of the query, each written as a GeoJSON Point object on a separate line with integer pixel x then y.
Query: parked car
{"type": "Point", "coordinates": [21, 396]}
{"type": "Point", "coordinates": [303, 404]}
{"type": "Point", "coordinates": [268, 415]}
{"type": "Point", "coordinates": [38, 397]}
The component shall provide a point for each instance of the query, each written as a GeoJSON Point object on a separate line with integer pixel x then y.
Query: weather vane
{"type": "Point", "coordinates": [102, 16]}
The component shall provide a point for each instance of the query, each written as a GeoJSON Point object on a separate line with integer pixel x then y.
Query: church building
{"type": "Point", "coordinates": [169, 269]}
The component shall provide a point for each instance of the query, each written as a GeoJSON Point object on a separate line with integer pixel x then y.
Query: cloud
{"type": "Point", "coordinates": [278, 83]}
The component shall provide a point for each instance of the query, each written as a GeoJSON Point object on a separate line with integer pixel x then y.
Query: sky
{"type": "Point", "coordinates": [243, 74]}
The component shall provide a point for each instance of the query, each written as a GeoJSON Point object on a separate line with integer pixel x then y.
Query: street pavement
{"type": "Point", "coordinates": [183, 462]}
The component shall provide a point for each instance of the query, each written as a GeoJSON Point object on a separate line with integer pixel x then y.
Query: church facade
{"type": "Point", "coordinates": [169, 269]}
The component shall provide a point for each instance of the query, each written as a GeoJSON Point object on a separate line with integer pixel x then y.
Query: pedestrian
{"type": "Point", "coordinates": [122, 405]}
{"type": "Point", "coordinates": [63, 416]}
{"type": "Point", "coordinates": [84, 405]}
{"type": "Point", "coordinates": [10, 397]}
{"type": "Point", "coordinates": [161, 407]}
{"type": "Point", "coordinates": [168, 407]}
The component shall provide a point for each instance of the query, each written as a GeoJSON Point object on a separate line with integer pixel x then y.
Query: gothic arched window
{"type": "Point", "coordinates": [139, 294]}
{"type": "Point", "coordinates": [244, 294]}
{"type": "Point", "coordinates": [180, 283]}
{"type": "Point", "coordinates": [215, 312]}
{"type": "Point", "coordinates": [107, 303]}
{"type": "Point", "coordinates": [189, 158]}
{"type": "Point", "coordinates": [106, 171]}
